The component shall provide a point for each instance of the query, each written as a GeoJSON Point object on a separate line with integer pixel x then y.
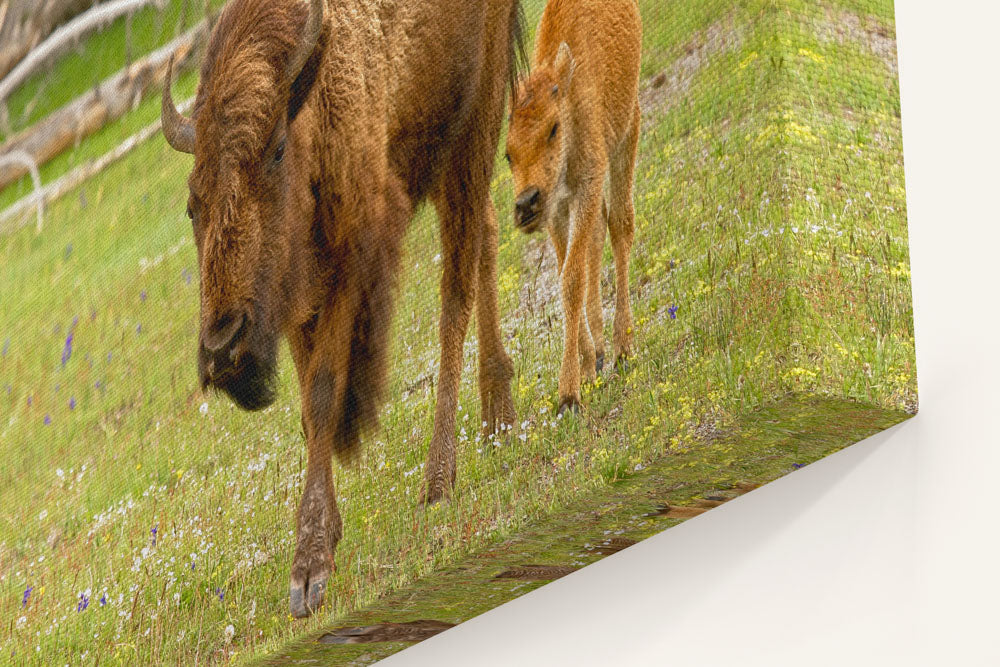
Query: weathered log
{"type": "Point", "coordinates": [19, 214]}
{"type": "Point", "coordinates": [112, 99]}
{"type": "Point", "coordinates": [20, 157]}
{"type": "Point", "coordinates": [25, 23]}
{"type": "Point", "coordinates": [93, 19]}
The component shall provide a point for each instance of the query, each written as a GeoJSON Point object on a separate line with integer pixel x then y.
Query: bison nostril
{"type": "Point", "coordinates": [223, 333]}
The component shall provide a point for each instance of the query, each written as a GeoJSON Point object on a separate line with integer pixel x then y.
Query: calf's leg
{"type": "Point", "coordinates": [574, 276]}
{"type": "Point", "coordinates": [595, 314]}
{"type": "Point", "coordinates": [621, 224]}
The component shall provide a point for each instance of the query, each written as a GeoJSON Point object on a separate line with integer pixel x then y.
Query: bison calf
{"type": "Point", "coordinates": [574, 121]}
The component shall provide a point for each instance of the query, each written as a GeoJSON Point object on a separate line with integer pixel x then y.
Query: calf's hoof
{"type": "Point", "coordinates": [308, 589]}
{"type": "Point", "coordinates": [569, 404]}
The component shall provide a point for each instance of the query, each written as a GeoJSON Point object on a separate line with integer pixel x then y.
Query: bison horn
{"type": "Point", "coordinates": [310, 38]}
{"type": "Point", "coordinates": [178, 130]}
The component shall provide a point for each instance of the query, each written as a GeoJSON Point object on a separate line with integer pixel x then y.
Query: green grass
{"type": "Point", "coordinates": [769, 139]}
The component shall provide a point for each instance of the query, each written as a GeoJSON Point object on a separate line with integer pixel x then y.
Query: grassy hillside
{"type": "Point", "coordinates": [141, 519]}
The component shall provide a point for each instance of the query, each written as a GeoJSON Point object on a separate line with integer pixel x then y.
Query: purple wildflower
{"type": "Point", "coordinates": [72, 402]}
{"type": "Point", "coordinates": [798, 465]}
{"type": "Point", "coordinates": [192, 566]}
{"type": "Point", "coordinates": [138, 328]}
{"type": "Point", "coordinates": [673, 312]}
{"type": "Point", "coordinates": [27, 594]}
{"type": "Point", "coordinates": [82, 604]}
{"type": "Point", "coordinates": [104, 600]}
{"type": "Point", "coordinates": [186, 275]}
{"type": "Point", "coordinates": [672, 264]}
{"type": "Point", "coordinates": [221, 593]}
{"type": "Point", "coordinates": [6, 347]}
{"type": "Point", "coordinates": [109, 357]}
{"type": "Point", "coordinates": [142, 296]}
{"type": "Point", "coordinates": [48, 420]}
{"type": "Point", "coordinates": [98, 384]}
{"type": "Point", "coordinates": [93, 314]}
{"type": "Point", "coordinates": [29, 401]}
{"type": "Point", "coordinates": [67, 348]}
{"type": "Point", "coordinates": [69, 250]}
{"type": "Point", "coordinates": [153, 533]}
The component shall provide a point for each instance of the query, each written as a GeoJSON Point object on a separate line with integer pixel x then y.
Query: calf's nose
{"type": "Point", "coordinates": [527, 205]}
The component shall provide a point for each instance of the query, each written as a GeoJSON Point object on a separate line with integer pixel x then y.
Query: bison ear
{"type": "Point", "coordinates": [564, 66]}
{"type": "Point", "coordinates": [306, 79]}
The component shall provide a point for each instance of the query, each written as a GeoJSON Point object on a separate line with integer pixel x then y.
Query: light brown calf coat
{"type": "Point", "coordinates": [574, 121]}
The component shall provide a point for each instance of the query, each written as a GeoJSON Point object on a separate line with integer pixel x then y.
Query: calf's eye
{"type": "Point", "coordinates": [279, 152]}
{"type": "Point", "coordinates": [554, 132]}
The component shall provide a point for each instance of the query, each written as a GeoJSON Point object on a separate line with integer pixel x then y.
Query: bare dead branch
{"type": "Point", "coordinates": [63, 38]}
{"type": "Point", "coordinates": [16, 216]}
{"type": "Point", "coordinates": [109, 101]}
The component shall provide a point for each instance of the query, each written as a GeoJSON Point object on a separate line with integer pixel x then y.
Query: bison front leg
{"type": "Point", "coordinates": [319, 526]}
{"type": "Point", "coordinates": [319, 529]}
{"type": "Point", "coordinates": [461, 240]}
{"type": "Point", "coordinates": [495, 368]}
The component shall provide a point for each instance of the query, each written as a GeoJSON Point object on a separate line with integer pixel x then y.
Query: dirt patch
{"type": "Point", "coordinates": [541, 287]}
{"type": "Point", "coordinates": [536, 572]}
{"type": "Point", "coordinates": [843, 27]}
{"type": "Point", "coordinates": [414, 631]}
{"type": "Point", "coordinates": [612, 546]}
{"type": "Point", "coordinates": [662, 91]}
{"type": "Point", "coordinates": [701, 505]}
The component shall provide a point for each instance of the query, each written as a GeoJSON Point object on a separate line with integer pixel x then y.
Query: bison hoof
{"type": "Point", "coordinates": [569, 404]}
{"type": "Point", "coordinates": [599, 364]}
{"type": "Point", "coordinates": [432, 495]}
{"type": "Point", "coordinates": [307, 593]}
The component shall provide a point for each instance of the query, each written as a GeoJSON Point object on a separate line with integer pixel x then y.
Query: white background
{"type": "Point", "coordinates": [887, 553]}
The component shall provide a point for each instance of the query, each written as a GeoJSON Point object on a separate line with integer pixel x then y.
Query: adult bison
{"type": "Point", "coordinates": [317, 129]}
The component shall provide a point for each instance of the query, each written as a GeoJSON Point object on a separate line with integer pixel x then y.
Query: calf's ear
{"type": "Point", "coordinates": [564, 66]}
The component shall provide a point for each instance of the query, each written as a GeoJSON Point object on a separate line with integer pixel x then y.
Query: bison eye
{"type": "Point", "coordinates": [554, 132]}
{"type": "Point", "coordinates": [279, 152]}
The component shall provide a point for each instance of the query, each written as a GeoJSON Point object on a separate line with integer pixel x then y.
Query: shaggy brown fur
{"type": "Point", "coordinates": [574, 121]}
{"type": "Point", "coordinates": [317, 131]}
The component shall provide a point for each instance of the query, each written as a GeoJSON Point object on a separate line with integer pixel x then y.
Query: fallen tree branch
{"type": "Point", "coordinates": [25, 23]}
{"type": "Point", "coordinates": [69, 34]}
{"type": "Point", "coordinates": [20, 211]}
{"type": "Point", "coordinates": [112, 99]}
{"type": "Point", "coordinates": [20, 157]}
